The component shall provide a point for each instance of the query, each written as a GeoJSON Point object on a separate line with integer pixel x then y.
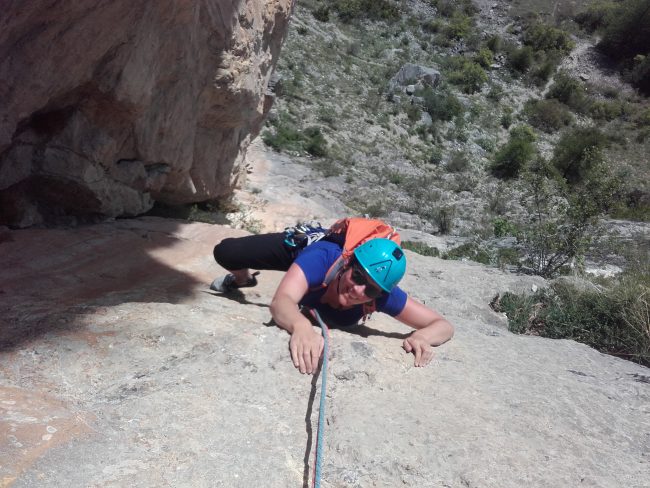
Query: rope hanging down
{"type": "Point", "coordinates": [321, 408]}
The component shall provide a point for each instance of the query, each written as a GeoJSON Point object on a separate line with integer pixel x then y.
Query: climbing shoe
{"type": "Point", "coordinates": [227, 283]}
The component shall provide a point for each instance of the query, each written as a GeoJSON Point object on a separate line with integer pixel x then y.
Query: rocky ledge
{"type": "Point", "coordinates": [118, 367]}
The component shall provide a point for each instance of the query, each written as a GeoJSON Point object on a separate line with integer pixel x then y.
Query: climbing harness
{"type": "Point", "coordinates": [302, 235]}
{"type": "Point", "coordinates": [321, 408]}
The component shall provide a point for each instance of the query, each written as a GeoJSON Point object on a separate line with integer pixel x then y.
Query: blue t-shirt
{"type": "Point", "coordinates": [315, 260]}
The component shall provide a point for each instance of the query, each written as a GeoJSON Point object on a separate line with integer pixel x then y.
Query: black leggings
{"type": "Point", "coordinates": [262, 251]}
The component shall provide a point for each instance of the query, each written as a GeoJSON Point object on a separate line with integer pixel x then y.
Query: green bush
{"type": "Point", "coordinates": [542, 72]}
{"type": "Point", "coordinates": [444, 218]}
{"type": "Point", "coordinates": [570, 92]}
{"type": "Point", "coordinates": [547, 115]}
{"type": "Point", "coordinates": [598, 15]}
{"type": "Point", "coordinates": [435, 156]}
{"type": "Point", "coordinates": [441, 105]}
{"type": "Point", "coordinates": [626, 39]}
{"type": "Point", "coordinates": [448, 8]}
{"type": "Point", "coordinates": [562, 220]}
{"type": "Point", "coordinates": [606, 110]}
{"type": "Point", "coordinates": [484, 57]}
{"type": "Point", "coordinates": [421, 248]}
{"type": "Point", "coordinates": [486, 143]}
{"type": "Point", "coordinates": [413, 112]}
{"type": "Point", "coordinates": [431, 26]}
{"type": "Point", "coordinates": [459, 27]}
{"type": "Point", "coordinates": [322, 13]}
{"type": "Point", "coordinates": [513, 156]}
{"type": "Point", "coordinates": [469, 76]}
{"type": "Point", "coordinates": [628, 33]}
{"type": "Point", "coordinates": [639, 73]}
{"type": "Point", "coordinates": [287, 137]}
{"type": "Point", "coordinates": [542, 37]}
{"type": "Point", "coordinates": [315, 143]}
{"type": "Point", "coordinates": [494, 43]}
{"type": "Point", "coordinates": [613, 319]}
{"type": "Point", "coordinates": [508, 256]}
{"type": "Point", "coordinates": [458, 163]}
{"type": "Point", "coordinates": [469, 250]}
{"type": "Point", "coordinates": [577, 152]}
{"type": "Point", "coordinates": [521, 59]}
{"type": "Point", "coordinates": [506, 118]}
{"type": "Point", "coordinates": [503, 227]}
{"type": "Point", "coordinates": [349, 10]}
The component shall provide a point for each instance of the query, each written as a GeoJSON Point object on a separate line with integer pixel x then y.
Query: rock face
{"type": "Point", "coordinates": [108, 106]}
{"type": "Point", "coordinates": [119, 368]}
{"type": "Point", "coordinates": [410, 73]}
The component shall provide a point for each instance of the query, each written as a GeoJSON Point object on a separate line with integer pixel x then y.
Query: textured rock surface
{"type": "Point", "coordinates": [119, 368]}
{"type": "Point", "coordinates": [108, 105]}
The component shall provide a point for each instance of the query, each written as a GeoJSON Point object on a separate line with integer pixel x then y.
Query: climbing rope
{"type": "Point", "coordinates": [321, 408]}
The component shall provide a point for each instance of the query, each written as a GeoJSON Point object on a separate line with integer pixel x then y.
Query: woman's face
{"type": "Point", "coordinates": [356, 287]}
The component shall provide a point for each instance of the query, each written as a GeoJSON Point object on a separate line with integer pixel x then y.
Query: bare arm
{"type": "Point", "coordinates": [306, 344]}
{"type": "Point", "coordinates": [432, 330]}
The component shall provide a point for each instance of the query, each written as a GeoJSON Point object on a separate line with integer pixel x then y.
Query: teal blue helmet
{"type": "Point", "coordinates": [383, 260]}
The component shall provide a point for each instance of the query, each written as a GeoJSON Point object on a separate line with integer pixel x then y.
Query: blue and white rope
{"type": "Point", "coordinates": [321, 409]}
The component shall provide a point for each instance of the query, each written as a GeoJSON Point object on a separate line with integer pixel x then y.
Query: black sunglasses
{"type": "Point", "coordinates": [359, 277]}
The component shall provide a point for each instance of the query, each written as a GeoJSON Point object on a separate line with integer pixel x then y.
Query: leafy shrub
{"type": "Point", "coordinates": [484, 57]}
{"type": "Point", "coordinates": [508, 256]}
{"type": "Point", "coordinates": [441, 105]}
{"type": "Point", "coordinates": [487, 144]}
{"type": "Point", "coordinates": [287, 137]}
{"type": "Point", "coordinates": [432, 26]}
{"type": "Point", "coordinates": [349, 10]}
{"type": "Point", "coordinates": [542, 37]}
{"type": "Point", "coordinates": [541, 74]}
{"type": "Point", "coordinates": [448, 8]}
{"type": "Point", "coordinates": [626, 39]}
{"type": "Point", "coordinates": [328, 167]}
{"type": "Point", "coordinates": [597, 16]}
{"type": "Point", "coordinates": [606, 110]}
{"type": "Point", "coordinates": [470, 77]}
{"type": "Point", "coordinates": [435, 157]}
{"type": "Point", "coordinates": [570, 92]}
{"type": "Point", "coordinates": [506, 118]}
{"type": "Point", "coordinates": [421, 248]}
{"type": "Point", "coordinates": [547, 115]}
{"type": "Point", "coordinates": [322, 13]}
{"type": "Point", "coordinates": [315, 143]}
{"type": "Point", "coordinates": [639, 74]}
{"type": "Point", "coordinates": [459, 27]}
{"type": "Point", "coordinates": [561, 220]}
{"type": "Point", "coordinates": [413, 112]}
{"type": "Point", "coordinates": [521, 59]}
{"type": "Point", "coordinates": [469, 250]}
{"type": "Point", "coordinates": [503, 227]}
{"type": "Point", "coordinates": [628, 32]}
{"type": "Point", "coordinates": [459, 162]}
{"type": "Point", "coordinates": [613, 319]}
{"type": "Point", "coordinates": [444, 218]}
{"type": "Point", "coordinates": [577, 152]}
{"type": "Point", "coordinates": [512, 157]}
{"type": "Point", "coordinates": [494, 43]}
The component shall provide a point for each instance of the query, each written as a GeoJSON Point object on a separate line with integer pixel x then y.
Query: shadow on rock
{"type": "Point", "coordinates": [51, 278]}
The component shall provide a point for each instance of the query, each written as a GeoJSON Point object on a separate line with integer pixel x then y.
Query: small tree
{"type": "Point", "coordinates": [562, 221]}
{"type": "Point", "coordinates": [578, 152]}
{"type": "Point", "coordinates": [512, 157]}
{"type": "Point", "coordinates": [470, 77]}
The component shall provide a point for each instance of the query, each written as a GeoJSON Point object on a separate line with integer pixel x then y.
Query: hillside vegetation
{"type": "Point", "coordinates": [518, 147]}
